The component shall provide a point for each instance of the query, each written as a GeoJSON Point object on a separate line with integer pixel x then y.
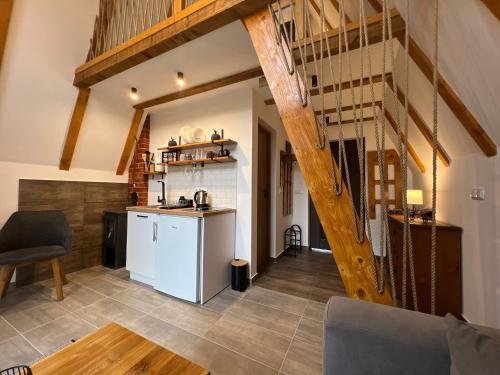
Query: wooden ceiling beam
{"type": "Point", "coordinates": [376, 5]}
{"type": "Point", "coordinates": [493, 6]}
{"type": "Point", "coordinates": [74, 128]}
{"type": "Point", "coordinates": [318, 12]}
{"type": "Point", "coordinates": [351, 121]}
{"type": "Point", "coordinates": [374, 25]}
{"type": "Point", "coordinates": [348, 108]}
{"type": "Point", "coordinates": [342, 86]}
{"type": "Point", "coordinates": [128, 148]}
{"type": "Point", "coordinates": [5, 14]}
{"type": "Point", "coordinates": [411, 150]}
{"type": "Point", "coordinates": [421, 125]}
{"type": "Point", "coordinates": [469, 122]}
{"type": "Point", "coordinates": [190, 23]}
{"type": "Point", "coordinates": [336, 5]}
{"type": "Point", "coordinates": [218, 83]}
{"type": "Point", "coordinates": [466, 118]}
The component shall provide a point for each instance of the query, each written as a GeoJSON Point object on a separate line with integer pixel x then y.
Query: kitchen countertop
{"type": "Point", "coordinates": [190, 211]}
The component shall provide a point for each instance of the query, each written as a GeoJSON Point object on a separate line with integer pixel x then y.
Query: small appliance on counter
{"type": "Point", "coordinates": [200, 200]}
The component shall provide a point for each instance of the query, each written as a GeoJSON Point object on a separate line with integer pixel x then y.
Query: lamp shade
{"type": "Point", "coordinates": [414, 197]}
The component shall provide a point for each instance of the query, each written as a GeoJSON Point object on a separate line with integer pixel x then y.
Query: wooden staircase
{"type": "Point", "coordinates": [353, 260]}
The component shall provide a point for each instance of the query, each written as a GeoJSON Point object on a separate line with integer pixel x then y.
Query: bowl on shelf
{"type": "Point", "coordinates": [198, 135]}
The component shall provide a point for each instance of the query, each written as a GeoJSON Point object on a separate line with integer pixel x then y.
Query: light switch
{"type": "Point", "coordinates": [478, 194]}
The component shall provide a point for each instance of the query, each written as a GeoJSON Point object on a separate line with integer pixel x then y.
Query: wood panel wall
{"type": "Point", "coordinates": [83, 204]}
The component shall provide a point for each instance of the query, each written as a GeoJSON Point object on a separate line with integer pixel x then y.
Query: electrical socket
{"type": "Point", "coordinates": [478, 194]}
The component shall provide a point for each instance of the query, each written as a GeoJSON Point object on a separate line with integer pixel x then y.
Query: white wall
{"type": "Point", "coordinates": [268, 117]}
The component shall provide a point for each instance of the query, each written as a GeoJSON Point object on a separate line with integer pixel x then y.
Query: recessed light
{"type": "Point", "coordinates": [133, 94]}
{"type": "Point", "coordinates": [180, 79]}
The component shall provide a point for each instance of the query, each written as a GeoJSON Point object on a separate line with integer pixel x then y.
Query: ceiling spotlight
{"type": "Point", "coordinates": [133, 94]}
{"type": "Point", "coordinates": [180, 79]}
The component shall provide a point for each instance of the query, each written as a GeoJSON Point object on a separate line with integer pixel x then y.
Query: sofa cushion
{"type": "Point", "coordinates": [32, 254]}
{"type": "Point", "coordinates": [474, 350]}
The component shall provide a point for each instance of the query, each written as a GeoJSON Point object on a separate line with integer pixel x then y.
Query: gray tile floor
{"type": "Point", "coordinates": [261, 331]}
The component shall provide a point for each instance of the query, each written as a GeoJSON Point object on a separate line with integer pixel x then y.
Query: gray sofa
{"type": "Point", "coordinates": [364, 338]}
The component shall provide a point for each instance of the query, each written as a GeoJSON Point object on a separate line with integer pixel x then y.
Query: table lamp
{"type": "Point", "coordinates": [414, 197]}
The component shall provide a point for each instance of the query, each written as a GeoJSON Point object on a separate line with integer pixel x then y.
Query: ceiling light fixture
{"type": "Point", "coordinates": [133, 94]}
{"type": "Point", "coordinates": [180, 79]}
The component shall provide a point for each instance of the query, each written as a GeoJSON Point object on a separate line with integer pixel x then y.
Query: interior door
{"type": "Point", "coordinates": [317, 237]}
{"type": "Point", "coordinates": [264, 199]}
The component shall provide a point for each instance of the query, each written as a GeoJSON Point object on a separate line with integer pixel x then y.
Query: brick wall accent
{"type": "Point", "coordinates": [136, 170]}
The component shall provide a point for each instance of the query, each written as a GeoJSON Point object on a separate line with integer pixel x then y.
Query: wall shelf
{"type": "Point", "coordinates": [225, 159]}
{"type": "Point", "coordinates": [189, 146]}
{"type": "Point", "coordinates": [154, 174]}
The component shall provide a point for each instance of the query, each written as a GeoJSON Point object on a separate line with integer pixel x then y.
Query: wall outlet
{"type": "Point", "coordinates": [478, 194]}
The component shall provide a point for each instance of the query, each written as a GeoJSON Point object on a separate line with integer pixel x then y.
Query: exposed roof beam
{"type": "Point", "coordinates": [469, 122]}
{"type": "Point", "coordinates": [342, 86]}
{"type": "Point", "coordinates": [5, 13]}
{"type": "Point", "coordinates": [376, 5]}
{"type": "Point", "coordinates": [196, 20]}
{"type": "Point", "coordinates": [335, 4]}
{"type": "Point", "coordinates": [318, 12]}
{"type": "Point", "coordinates": [221, 82]}
{"type": "Point", "coordinates": [74, 128]}
{"type": "Point", "coordinates": [351, 121]}
{"type": "Point", "coordinates": [421, 125]}
{"type": "Point", "coordinates": [128, 148]}
{"type": "Point", "coordinates": [347, 108]}
{"type": "Point", "coordinates": [374, 25]}
{"type": "Point", "coordinates": [493, 6]}
{"type": "Point", "coordinates": [411, 149]}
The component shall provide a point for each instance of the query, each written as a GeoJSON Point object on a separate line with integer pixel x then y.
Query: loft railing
{"type": "Point", "coordinates": [121, 20]}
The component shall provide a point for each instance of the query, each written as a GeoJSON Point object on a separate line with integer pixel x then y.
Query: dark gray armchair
{"type": "Point", "coordinates": [34, 236]}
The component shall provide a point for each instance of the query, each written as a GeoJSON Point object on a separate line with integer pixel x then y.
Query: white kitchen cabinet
{"type": "Point", "coordinates": [178, 257]}
{"type": "Point", "coordinates": [141, 246]}
{"type": "Point", "coordinates": [184, 256]}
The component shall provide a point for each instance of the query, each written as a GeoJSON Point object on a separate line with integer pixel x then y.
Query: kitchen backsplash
{"type": "Point", "coordinates": [218, 179]}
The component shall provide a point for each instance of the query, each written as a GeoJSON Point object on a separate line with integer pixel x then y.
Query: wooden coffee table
{"type": "Point", "coordinates": [115, 350]}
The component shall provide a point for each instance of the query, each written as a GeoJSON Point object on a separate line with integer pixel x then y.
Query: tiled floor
{"type": "Point", "coordinates": [261, 331]}
{"type": "Point", "coordinates": [312, 275]}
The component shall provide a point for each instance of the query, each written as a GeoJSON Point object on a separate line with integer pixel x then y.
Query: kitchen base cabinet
{"type": "Point", "coordinates": [141, 246]}
{"type": "Point", "coordinates": [185, 257]}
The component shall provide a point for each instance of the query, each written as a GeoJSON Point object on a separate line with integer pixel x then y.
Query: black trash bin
{"type": "Point", "coordinates": [239, 272]}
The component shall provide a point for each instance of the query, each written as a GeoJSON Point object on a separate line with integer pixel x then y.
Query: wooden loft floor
{"type": "Point", "coordinates": [187, 24]}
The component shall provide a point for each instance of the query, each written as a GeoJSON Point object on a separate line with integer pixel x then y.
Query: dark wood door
{"type": "Point", "coordinates": [264, 199]}
{"type": "Point", "coordinates": [317, 237]}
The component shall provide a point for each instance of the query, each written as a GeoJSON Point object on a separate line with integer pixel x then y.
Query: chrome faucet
{"type": "Point", "coordinates": [162, 200]}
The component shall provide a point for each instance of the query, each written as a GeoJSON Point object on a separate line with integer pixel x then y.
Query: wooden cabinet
{"type": "Point", "coordinates": [141, 246]}
{"type": "Point", "coordinates": [448, 265]}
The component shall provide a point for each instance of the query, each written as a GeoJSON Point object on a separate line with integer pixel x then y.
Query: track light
{"type": "Point", "coordinates": [133, 94]}
{"type": "Point", "coordinates": [180, 79]}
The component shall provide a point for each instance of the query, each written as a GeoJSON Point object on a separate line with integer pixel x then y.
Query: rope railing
{"type": "Point", "coordinates": [301, 27]}
{"type": "Point", "coordinates": [120, 20]}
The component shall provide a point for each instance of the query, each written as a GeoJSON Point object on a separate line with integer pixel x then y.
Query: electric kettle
{"type": "Point", "coordinates": [200, 199]}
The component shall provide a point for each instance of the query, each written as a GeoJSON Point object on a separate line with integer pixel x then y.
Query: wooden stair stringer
{"type": "Point", "coordinates": [353, 259]}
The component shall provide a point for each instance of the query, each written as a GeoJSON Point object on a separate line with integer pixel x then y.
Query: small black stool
{"type": "Point", "coordinates": [293, 239]}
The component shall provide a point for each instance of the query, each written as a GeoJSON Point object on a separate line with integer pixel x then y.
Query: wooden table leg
{"type": "Point", "coordinates": [6, 272]}
{"type": "Point", "coordinates": [56, 269]}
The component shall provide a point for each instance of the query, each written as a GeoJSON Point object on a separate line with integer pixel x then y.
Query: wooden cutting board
{"type": "Point", "coordinates": [115, 350]}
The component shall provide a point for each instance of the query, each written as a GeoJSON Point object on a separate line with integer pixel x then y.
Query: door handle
{"type": "Point", "coordinates": [143, 216]}
{"type": "Point", "coordinates": [155, 232]}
